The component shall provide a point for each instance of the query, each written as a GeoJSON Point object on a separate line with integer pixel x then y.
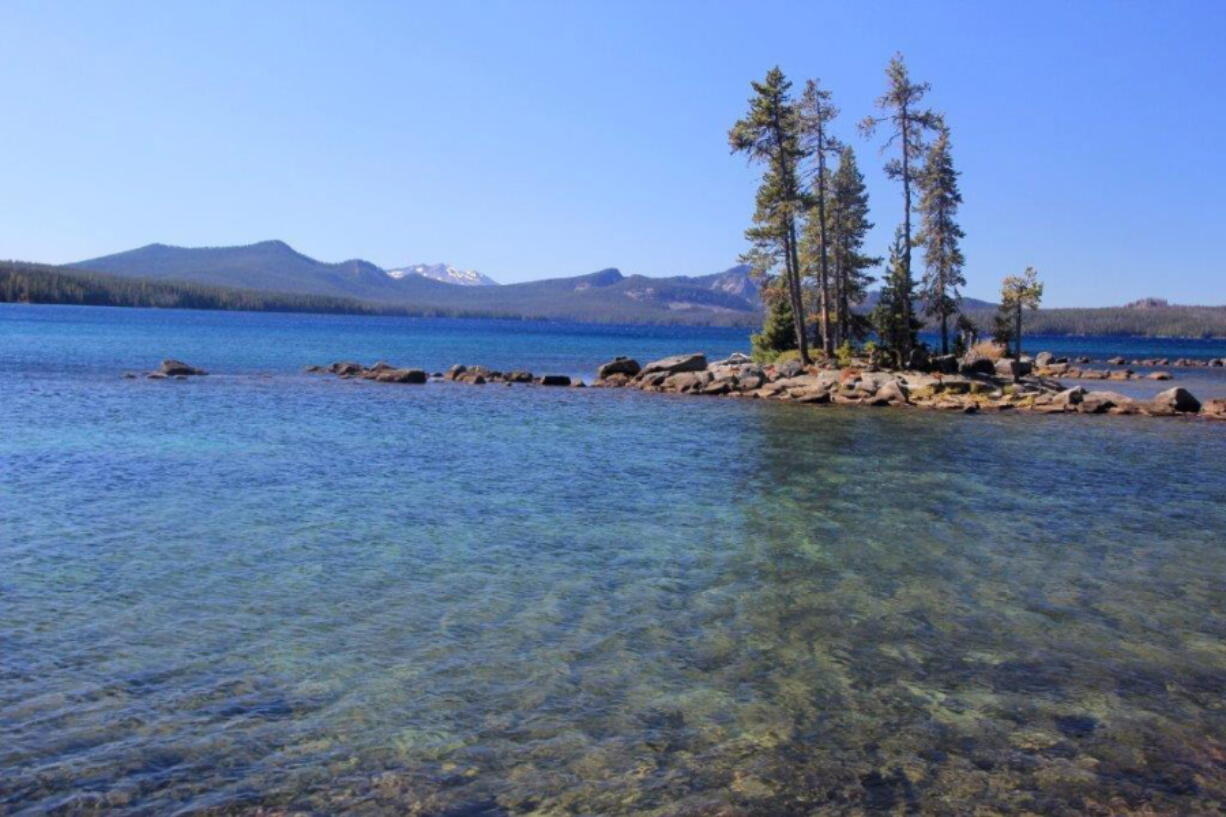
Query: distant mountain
{"type": "Point", "coordinates": [445, 273]}
{"type": "Point", "coordinates": [728, 297]}
{"type": "Point", "coordinates": [602, 297]}
{"type": "Point", "coordinates": [271, 266]}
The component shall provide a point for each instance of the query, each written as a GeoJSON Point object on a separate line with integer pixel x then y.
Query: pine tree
{"type": "Point", "coordinates": [1017, 293]}
{"type": "Point", "coordinates": [893, 318]}
{"type": "Point", "coordinates": [769, 135]}
{"type": "Point", "coordinates": [847, 216]}
{"type": "Point", "coordinates": [967, 334]}
{"type": "Point", "coordinates": [909, 125]}
{"type": "Point", "coordinates": [940, 235]}
{"type": "Point", "coordinates": [778, 327]}
{"type": "Point", "coordinates": [816, 113]}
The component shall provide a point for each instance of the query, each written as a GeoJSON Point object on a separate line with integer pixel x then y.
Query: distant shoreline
{"type": "Point", "coordinates": [22, 282]}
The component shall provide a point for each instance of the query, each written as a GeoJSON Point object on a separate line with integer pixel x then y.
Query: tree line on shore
{"type": "Point", "coordinates": [811, 222]}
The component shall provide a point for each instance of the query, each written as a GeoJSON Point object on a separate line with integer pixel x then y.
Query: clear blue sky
{"type": "Point", "coordinates": [530, 140]}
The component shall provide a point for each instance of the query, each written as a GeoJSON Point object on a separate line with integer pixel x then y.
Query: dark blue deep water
{"type": "Point", "coordinates": [264, 592]}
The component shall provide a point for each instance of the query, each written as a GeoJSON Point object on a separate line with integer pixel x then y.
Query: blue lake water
{"type": "Point", "coordinates": [270, 593]}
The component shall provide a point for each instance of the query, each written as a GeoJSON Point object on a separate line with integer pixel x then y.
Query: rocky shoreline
{"type": "Point", "coordinates": [968, 385]}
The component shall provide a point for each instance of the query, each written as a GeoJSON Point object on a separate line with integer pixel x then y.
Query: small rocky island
{"type": "Point", "coordinates": [970, 384]}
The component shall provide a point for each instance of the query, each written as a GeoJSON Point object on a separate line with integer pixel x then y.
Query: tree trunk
{"type": "Point", "coordinates": [792, 265]}
{"type": "Point", "coordinates": [840, 325]}
{"type": "Point", "coordinates": [906, 231]}
{"type": "Point", "coordinates": [944, 333]}
{"type": "Point", "coordinates": [1017, 332]}
{"type": "Point", "coordinates": [827, 345]}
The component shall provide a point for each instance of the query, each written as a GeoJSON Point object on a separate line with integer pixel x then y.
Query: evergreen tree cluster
{"type": "Point", "coordinates": [811, 221]}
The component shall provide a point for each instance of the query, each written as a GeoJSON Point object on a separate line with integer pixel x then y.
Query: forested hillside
{"type": "Point", "coordinates": [603, 297]}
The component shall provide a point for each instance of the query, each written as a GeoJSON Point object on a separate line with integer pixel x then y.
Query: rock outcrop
{"type": "Point", "coordinates": [619, 365]}
{"type": "Point", "coordinates": [984, 385]}
{"type": "Point", "coordinates": [675, 365]}
{"type": "Point", "coordinates": [177, 368]}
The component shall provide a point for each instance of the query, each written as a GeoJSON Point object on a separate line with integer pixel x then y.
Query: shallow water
{"type": "Point", "coordinates": [267, 592]}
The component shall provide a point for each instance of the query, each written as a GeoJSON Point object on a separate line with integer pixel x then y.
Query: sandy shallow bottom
{"type": "Point", "coordinates": [276, 594]}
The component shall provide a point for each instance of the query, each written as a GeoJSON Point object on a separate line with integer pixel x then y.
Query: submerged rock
{"type": "Point", "coordinates": [346, 367]}
{"type": "Point", "coordinates": [392, 375]}
{"type": "Point", "coordinates": [173, 368]}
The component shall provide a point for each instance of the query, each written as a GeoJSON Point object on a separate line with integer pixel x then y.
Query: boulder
{"type": "Point", "coordinates": [735, 359]}
{"type": "Point", "coordinates": [1215, 408]}
{"type": "Point", "coordinates": [892, 392]}
{"type": "Point", "coordinates": [1012, 368]}
{"type": "Point", "coordinates": [945, 364]}
{"type": "Point", "coordinates": [174, 368]}
{"type": "Point", "coordinates": [401, 376]}
{"type": "Point", "coordinates": [975, 363]}
{"type": "Point", "coordinates": [346, 367]}
{"type": "Point", "coordinates": [686, 381]}
{"type": "Point", "coordinates": [750, 377]}
{"type": "Point", "coordinates": [518, 376]}
{"type": "Point", "coordinates": [1177, 399]}
{"type": "Point", "coordinates": [675, 364]}
{"type": "Point", "coordinates": [918, 360]}
{"type": "Point", "coordinates": [1043, 359]}
{"type": "Point", "coordinates": [554, 380]}
{"type": "Point", "coordinates": [614, 381]}
{"type": "Point", "coordinates": [1116, 361]}
{"type": "Point", "coordinates": [619, 365]}
{"type": "Point", "coordinates": [1159, 375]}
{"type": "Point", "coordinates": [1097, 402]}
{"type": "Point", "coordinates": [810, 394]}
{"type": "Point", "coordinates": [1069, 398]}
{"type": "Point", "coordinates": [455, 371]}
{"type": "Point", "coordinates": [790, 368]}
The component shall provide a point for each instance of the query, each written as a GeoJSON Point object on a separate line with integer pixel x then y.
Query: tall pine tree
{"type": "Point", "coordinates": [769, 135]}
{"type": "Point", "coordinates": [940, 235]}
{"type": "Point", "coordinates": [847, 217]}
{"type": "Point", "coordinates": [816, 113]}
{"type": "Point", "coordinates": [909, 124]}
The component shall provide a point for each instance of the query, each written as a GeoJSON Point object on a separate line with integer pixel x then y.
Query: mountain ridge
{"type": "Point", "coordinates": [604, 295]}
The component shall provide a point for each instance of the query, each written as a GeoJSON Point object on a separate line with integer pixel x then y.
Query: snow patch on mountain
{"type": "Point", "coordinates": [446, 274]}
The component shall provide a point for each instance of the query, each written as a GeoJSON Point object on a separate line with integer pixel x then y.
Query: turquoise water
{"type": "Point", "coordinates": [269, 593]}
